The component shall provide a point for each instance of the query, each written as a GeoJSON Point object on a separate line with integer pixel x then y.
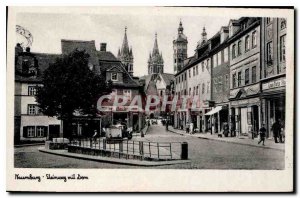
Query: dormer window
{"type": "Point", "coordinates": [114, 76]}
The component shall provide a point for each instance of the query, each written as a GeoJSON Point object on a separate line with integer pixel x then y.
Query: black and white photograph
{"type": "Point", "coordinates": [145, 91]}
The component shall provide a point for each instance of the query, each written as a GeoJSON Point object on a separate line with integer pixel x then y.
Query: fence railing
{"type": "Point", "coordinates": [144, 149]}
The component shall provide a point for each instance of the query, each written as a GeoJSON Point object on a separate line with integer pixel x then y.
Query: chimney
{"type": "Point", "coordinates": [18, 49]}
{"type": "Point", "coordinates": [102, 47]}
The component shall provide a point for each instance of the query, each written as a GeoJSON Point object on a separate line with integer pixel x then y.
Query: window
{"type": "Point", "coordinates": [246, 76]}
{"type": "Point", "coordinates": [239, 48]}
{"type": "Point", "coordinates": [254, 39]}
{"type": "Point", "coordinates": [226, 82]}
{"type": "Point", "coordinates": [202, 66]}
{"type": "Point", "coordinates": [220, 83]}
{"type": "Point", "coordinates": [194, 91]}
{"type": "Point", "coordinates": [219, 57]}
{"type": "Point", "coordinates": [233, 52]}
{"type": "Point", "coordinates": [282, 48]}
{"type": "Point", "coordinates": [239, 78]}
{"type": "Point", "coordinates": [283, 24]}
{"type": "Point", "coordinates": [234, 80]}
{"type": "Point", "coordinates": [208, 63]}
{"type": "Point", "coordinates": [197, 71]}
{"type": "Point", "coordinates": [194, 71]}
{"type": "Point", "coordinates": [208, 87]}
{"type": "Point", "coordinates": [203, 88]}
{"type": "Point", "coordinates": [31, 90]}
{"type": "Point", "coordinates": [40, 131]}
{"type": "Point", "coordinates": [189, 73]}
{"type": "Point", "coordinates": [127, 93]}
{"type": "Point", "coordinates": [30, 131]}
{"type": "Point", "coordinates": [270, 52]}
{"type": "Point", "coordinates": [269, 20]}
{"type": "Point", "coordinates": [114, 76]}
{"type": "Point", "coordinates": [31, 109]}
{"type": "Point", "coordinates": [253, 74]}
{"type": "Point", "coordinates": [247, 43]}
{"type": "Point", "coordinates": [197, 90]}
{"type": "Point", "coordinates": [226, 54]}
{"type": "Point", "coordinates": [190, 90]}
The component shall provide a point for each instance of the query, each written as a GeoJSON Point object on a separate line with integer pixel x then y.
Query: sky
{"type": "Point", "coordinates": [49, 28]}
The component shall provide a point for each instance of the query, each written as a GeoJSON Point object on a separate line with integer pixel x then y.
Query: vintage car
{"type": "Point", "coordinates": [118, 132]}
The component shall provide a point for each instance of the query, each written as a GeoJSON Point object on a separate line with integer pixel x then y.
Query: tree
{"type": "Point", "coordinates": [68, 86]}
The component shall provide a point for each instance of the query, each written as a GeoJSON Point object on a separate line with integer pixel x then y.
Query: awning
{"type": "Point", "coordinates": [214, 110]}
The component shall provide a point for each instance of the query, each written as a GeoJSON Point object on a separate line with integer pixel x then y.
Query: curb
{"type": "Point", "coordinates": [114, 160]}
{"type": "Point", "coordinates": [24, 145]}
{"type": "Point", "coordinates": [220, 140]}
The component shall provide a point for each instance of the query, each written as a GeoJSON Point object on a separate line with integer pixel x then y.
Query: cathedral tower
{"type": "Point", "coordinates": [180, 49]}
{"type": "Point", "coordinates": [125, 55]}
{"type": "Point", "coordinates": [155, 61]}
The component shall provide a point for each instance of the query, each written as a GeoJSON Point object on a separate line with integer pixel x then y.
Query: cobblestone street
{"type": "Point", "coordinates": [203, 153]}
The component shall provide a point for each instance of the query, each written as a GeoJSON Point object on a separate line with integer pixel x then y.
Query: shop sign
{"type": "Point", "coordinates": [274, 84]}
{"type": "Point", "coordinates": [245, 102]}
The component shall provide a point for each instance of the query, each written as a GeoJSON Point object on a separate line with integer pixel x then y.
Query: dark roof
{"type": "Point", "coordinates": [167, 78]}
{"type": "Point", "coordinates": [67, 46]}
{"type": "Point", "coordinates": [43, 61]}
{"type": "Point", "coordinates": [106, 56]}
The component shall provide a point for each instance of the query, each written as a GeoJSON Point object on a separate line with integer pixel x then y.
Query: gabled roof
{"type": "Point", "coordinates": [167, 77]}
{"type": "Point", "coordinates": [67, 46]}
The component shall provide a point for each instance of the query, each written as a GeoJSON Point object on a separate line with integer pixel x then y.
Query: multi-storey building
{"type": "Point", "coordinates": [30, 124]}
{"type": "Point", "coordinates": [180, 49]}
{"type": "Point", "coordinates": [273, 70]}
{"type": "Point", "coordinates": [245, 107]}
{"type": "Point", "coordinates": [220, 80]}
{"type": "Point", "coordinates": [125, 55]}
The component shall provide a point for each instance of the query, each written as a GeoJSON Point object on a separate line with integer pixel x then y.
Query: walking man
{"type": "Point", "coordinates": [276, 127]}
{"type": "Point", "coordinates": [262, 134]}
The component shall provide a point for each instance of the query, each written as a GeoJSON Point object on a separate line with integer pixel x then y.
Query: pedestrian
{"type": "Point", "coordinates": [276, 130]}
{"type": "Point", "coordinates": [95, 136]}
{"type": "Point", "coordinates": [225, 129]}
{"type": "Point", "coordinates": [187, 127]}
{"type": "Point", "coordinates": [262, 134]}
{"type": "Point", "coordinates": [167, 124]}
{"type": "Point", "coordinates": [191, 128]}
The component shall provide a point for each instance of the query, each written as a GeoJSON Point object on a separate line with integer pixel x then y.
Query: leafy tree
{"type": "Point", "coordinates": [68, 86]}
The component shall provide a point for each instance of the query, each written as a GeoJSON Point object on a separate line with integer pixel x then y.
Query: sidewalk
{"type": "Point", "coordinates": [269, 144]}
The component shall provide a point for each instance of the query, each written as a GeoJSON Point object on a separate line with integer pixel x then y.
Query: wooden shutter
{"type": "Point", "coordinates": [45, 131]}
{"type": "Point", "coordinates": [25, 134]}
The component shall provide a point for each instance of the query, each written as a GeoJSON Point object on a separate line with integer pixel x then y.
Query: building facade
{"type": "Point", "coordinates": [180, 49]}
{"type": "Point", "coordinates": [30, 124]}
{"type": "Point", "coordinates": [155, 61]}
{"type": "Point", "coordinates": [245, 67]}
{"type": "Point", "coordinates": [125, 55]}
{"type": "Point", "coordinates": [273, 70]}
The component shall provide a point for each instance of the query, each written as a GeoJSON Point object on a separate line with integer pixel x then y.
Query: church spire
{"type": "Point", "coordinates": [204, 35]}
{"type": "Point", "coordinates": [180, 28]}
{"type": "Point", "coordinates": [155, 48]}
{"type": "Point", "coordinates": [125, 47]}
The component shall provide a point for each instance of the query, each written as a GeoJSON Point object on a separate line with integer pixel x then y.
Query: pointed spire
{"type": "Point", "coordinates": [155, 48]}
{"type": "Point", "coordinates": [119, 53]}
{"type": "Point", "coordinates": [204, 35]}
{"type": "Point", "coordinates": [130, 52]}
{"type": "Point", "coordinates": [125, 48]}
{"type": "Point", "coordinates": [180, 28]}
